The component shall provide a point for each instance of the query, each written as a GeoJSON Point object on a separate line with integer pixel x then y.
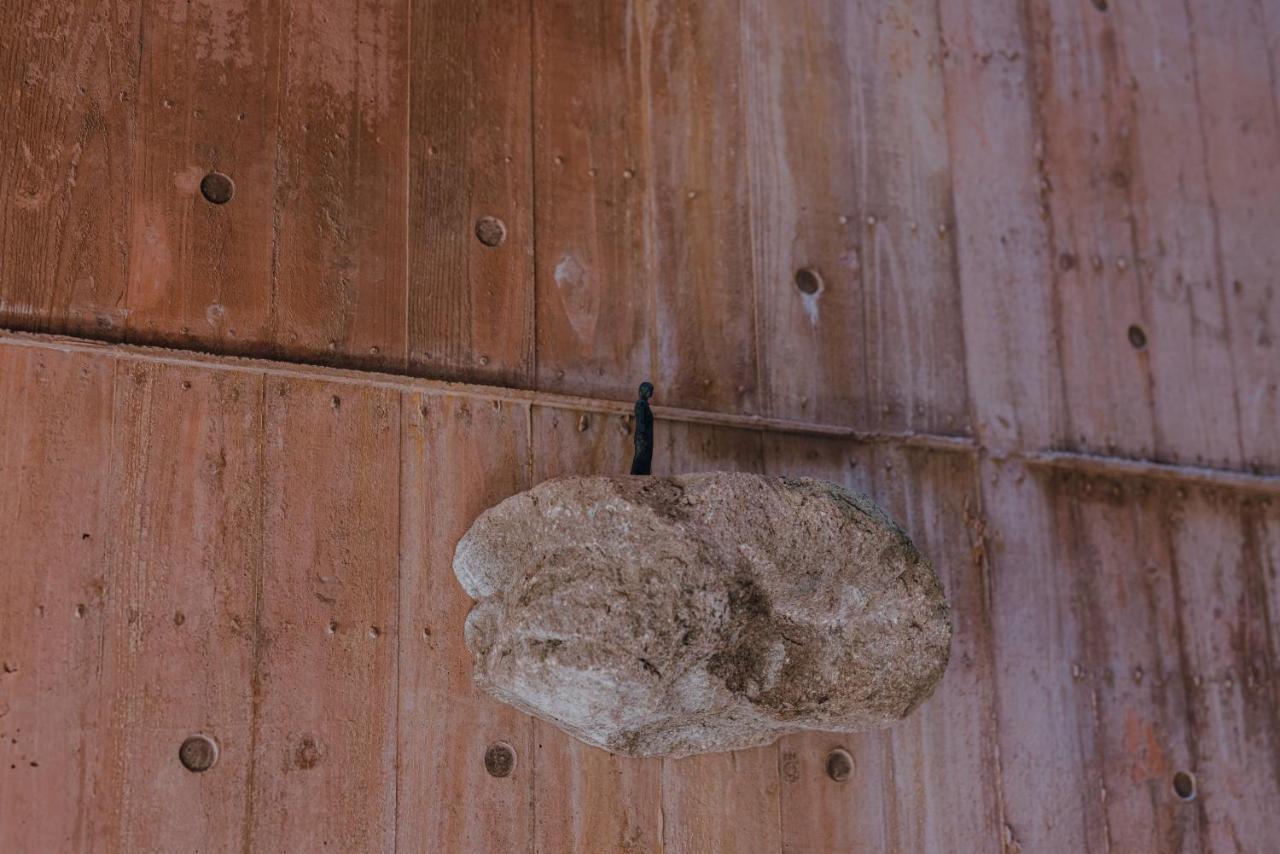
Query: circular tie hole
{"type": "Point", "coordinates": [198, 753]}
{"type": "Point", "coordinates": [490, 231]}
{"type": "Point", "coordinates": [1184, 785]}
{"type": "Point", "coordinates": [839, 765]}
{"type": "Point", "coordinates": [217, 188]}
{"type": "Point", "coordinates": [500, 759]}
{"type": "Point", "coordinates": [808, 281]}
{"type": "Point", "coordinates": [307, 754]}
{"type": "Point", "coordinates": [1137, 337]}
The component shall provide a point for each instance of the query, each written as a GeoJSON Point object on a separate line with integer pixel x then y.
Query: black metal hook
{"type": "Point", "coordinates": [642, 463]}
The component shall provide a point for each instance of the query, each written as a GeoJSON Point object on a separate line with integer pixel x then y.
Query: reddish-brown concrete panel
{"type": "Point", "coordinates": [447, 799]}
{"type": "Point", "coordinates": [325, 627]}
{"type": "Point", "coordinates": [70, 113]}
{"type": "Point", "coordinates": [471, 298]}
{"type": "Point", "coordinates": [200, 271]}
{"type": "Point", "coordinates": [596, 322]}
{"type": "Point", "coordinates": [55, 598]}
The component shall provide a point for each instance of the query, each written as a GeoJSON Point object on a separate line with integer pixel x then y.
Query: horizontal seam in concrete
{"type": "Point", "coordinates": [1136, 468]}
{"type": "Point", "coordinates": [1051, 459]}
{"type": "Point", "coordinates": [400, 382]}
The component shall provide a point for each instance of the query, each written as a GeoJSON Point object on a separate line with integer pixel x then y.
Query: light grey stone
{"type": "Point", "coordinates": [699, 613]}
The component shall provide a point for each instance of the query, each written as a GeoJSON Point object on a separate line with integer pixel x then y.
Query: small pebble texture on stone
{"type": "Point", "coordinates": [668, 616]}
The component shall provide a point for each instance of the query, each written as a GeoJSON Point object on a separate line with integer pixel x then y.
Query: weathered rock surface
{"type": "Point", "coordinates": [699, 613]}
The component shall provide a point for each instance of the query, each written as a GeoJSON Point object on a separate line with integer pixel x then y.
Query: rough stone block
{"type": "Point", "coordinates": [703, 612]}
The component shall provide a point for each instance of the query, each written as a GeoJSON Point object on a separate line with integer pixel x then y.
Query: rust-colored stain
{"type": "Point", "coordinates": [1142, 749]}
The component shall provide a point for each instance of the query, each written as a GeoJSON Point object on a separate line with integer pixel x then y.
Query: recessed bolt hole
{"type": "Point", "coordinates": [839, 765]}
{"type": "Point", "coordinates": [490, 231]}
{"type": "Point", "coordinates": [500, 759]}
{"type": "Point", "coordinates": [1137, 337]}
{"type": "Point", "coordinates": [217, 188]}
{"type": "Point", "coordinates": [198, 753]}
{"type": "Point", "coordinates": [332, 627]}
{"type": "Point", "coordinates": [308, 753]}
{"type": "Point", "coordinates": [1184, 785]}
{"type": "Point", "coordinates": [808, 281]}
